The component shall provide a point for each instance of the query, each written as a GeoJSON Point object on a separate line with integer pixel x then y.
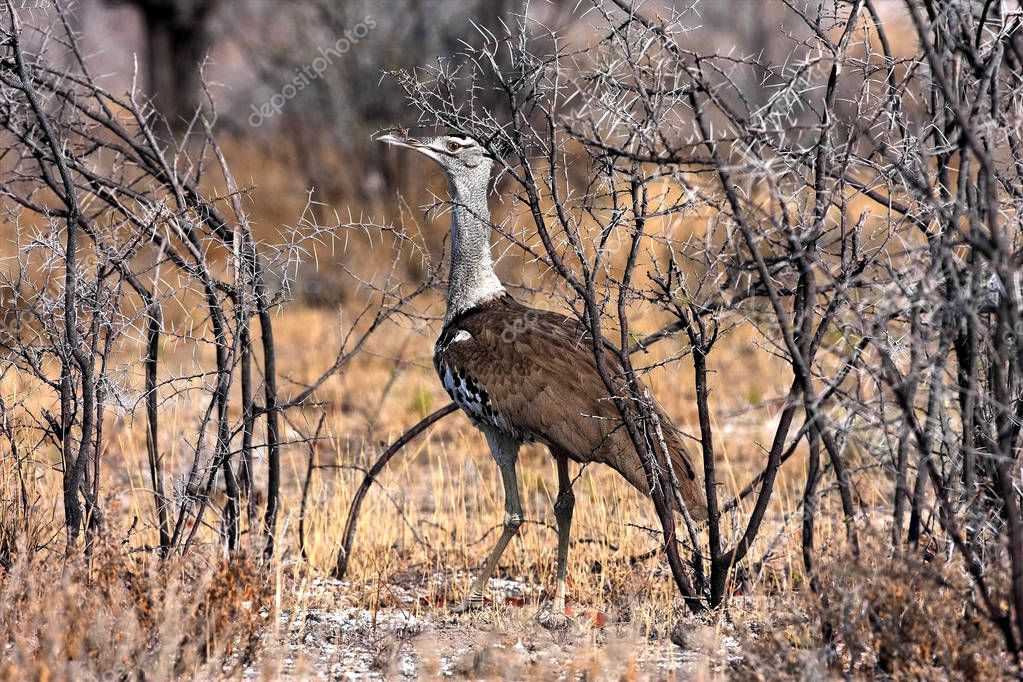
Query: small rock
{"type": "Point", "coordinates": [679, 635]}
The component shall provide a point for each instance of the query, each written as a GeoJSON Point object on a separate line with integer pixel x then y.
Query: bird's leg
{"type": "Point", "coordinates": [512, 521]}
{"type": "Point", "coordinates": [563, 506]}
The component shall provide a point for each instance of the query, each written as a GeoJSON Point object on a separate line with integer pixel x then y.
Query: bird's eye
{"type": "Point", "coordinates": [453, 146]}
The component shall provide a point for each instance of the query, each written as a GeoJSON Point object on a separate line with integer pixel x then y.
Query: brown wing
{"type": "Point", "coordinates": [531, 373]}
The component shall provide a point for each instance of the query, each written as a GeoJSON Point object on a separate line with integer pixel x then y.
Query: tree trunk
{"type": "Point", "coordinates": [177, 40]}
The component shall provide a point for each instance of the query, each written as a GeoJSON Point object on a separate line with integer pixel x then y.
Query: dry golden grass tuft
{"type": "Point", "coordinates": [111, 614]}
{"type": "Point", "coordinates": [906, 618]}
{"type": "Point", "coordinates": [876, 616]}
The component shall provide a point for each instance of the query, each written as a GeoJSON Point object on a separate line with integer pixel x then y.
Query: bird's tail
{"type": "Point", "coordinates": [690, 483]}
{"type": "Point", "coordinates": [683, 465]}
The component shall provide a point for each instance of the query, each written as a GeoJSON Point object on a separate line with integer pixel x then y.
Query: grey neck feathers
{"type": "Point", "coordinates": [472, 279]}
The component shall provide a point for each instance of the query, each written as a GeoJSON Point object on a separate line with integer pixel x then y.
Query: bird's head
{"type": "Point", "coordinates": [464, 160]}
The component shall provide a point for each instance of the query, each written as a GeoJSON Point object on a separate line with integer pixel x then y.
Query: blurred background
{"type": "Point", "coordinates": [301, 86]}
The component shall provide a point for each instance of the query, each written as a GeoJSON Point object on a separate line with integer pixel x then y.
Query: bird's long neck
{"type": "Point", "coordinates": [472, 279]}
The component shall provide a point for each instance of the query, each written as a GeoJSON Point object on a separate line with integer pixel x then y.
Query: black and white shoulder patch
{"type": "Point", "coordinates": [449, 337]}
{"type": "Point", "coordinates": [473, 399]}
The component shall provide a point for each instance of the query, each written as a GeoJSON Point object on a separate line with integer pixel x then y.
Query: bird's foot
{"type": "Point", "coordinates": [474, 602]}
{"type": "Point", "coordinates": [553, 618]}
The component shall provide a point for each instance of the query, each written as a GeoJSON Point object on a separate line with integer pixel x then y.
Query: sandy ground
{"type": "Point", "coordinates": [339, 641]}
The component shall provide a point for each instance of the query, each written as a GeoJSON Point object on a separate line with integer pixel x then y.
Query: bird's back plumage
{"type": "Point", "coordinates": [531, 374]}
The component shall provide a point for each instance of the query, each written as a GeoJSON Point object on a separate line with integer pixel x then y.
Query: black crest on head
{"type": "Point", "coordinates": [460, 136]}
{"type": "Point", "coordinates": [498, 145]}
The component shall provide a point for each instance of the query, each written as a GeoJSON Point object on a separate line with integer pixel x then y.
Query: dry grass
{"type": "Point", "coordinates": [424, 529]}
{"type": "Point", "coordinates": [111, 614]}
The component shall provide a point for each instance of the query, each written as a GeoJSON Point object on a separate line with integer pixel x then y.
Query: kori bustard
{"type": "Point", "coordinates": [523, 374]}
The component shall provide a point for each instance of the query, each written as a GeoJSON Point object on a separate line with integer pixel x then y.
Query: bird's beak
{"type": "Point", "coordinates": [402, 140]}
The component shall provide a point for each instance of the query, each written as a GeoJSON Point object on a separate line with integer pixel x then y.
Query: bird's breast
{"type": "Point", "coordinates": [472, 398]}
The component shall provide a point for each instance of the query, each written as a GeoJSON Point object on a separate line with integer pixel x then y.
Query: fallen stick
{"type": "Point", "coordinates": [385, 457]}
